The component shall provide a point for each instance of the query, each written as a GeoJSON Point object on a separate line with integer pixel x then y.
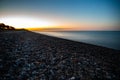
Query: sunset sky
{"type": "Point", "coordinates": [61, 14]}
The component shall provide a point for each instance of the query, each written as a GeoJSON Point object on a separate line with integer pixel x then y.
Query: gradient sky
{"type": "Point", "coordinates": [73, 14]}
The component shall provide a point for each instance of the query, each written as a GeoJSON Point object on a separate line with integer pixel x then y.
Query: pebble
{"type": "Point", "coordinates": [72, 78]}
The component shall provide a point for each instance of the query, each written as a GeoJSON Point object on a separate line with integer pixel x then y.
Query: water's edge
{"type": "Point", "coordinates": [108, 39]}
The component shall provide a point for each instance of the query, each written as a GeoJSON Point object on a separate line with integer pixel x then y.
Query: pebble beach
{"type": "Point", "coordinates": [25, 55]}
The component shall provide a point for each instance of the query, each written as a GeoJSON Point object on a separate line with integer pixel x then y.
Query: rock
{"type": "Point", "coordinates": [72, 78]}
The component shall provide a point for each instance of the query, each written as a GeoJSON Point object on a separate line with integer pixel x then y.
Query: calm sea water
{"type": "Point", "coordinates": [110, 39]}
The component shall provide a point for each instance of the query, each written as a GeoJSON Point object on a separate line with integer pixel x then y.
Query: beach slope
{"type": "Point", "coordinates": [28, 55]}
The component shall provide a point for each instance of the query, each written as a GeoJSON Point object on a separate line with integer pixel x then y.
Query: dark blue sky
{"type": "Point", "coordinates": [102, 13]}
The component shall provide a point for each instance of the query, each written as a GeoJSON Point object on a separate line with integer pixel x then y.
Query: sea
{"type": "Point", "coordinates": [110, 39]}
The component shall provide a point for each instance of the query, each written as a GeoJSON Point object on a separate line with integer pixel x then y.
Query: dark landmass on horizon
{"type": "Point", "coordinates": [28, 55]}
{"type": "Point", "coordinates": [4, 27]}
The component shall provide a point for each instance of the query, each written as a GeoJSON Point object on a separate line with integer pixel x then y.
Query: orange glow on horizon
{"type": "Point", "coordinates": [45, 25]}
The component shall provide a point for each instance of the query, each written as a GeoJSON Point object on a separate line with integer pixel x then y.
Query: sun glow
{"type": "Point", "coordinates": [24, 22]}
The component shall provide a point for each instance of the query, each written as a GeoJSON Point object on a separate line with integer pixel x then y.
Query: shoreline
{"type": "Point", "coordinates": [29, 55]}
{"type": "Point", "coordinates": [108, 42]}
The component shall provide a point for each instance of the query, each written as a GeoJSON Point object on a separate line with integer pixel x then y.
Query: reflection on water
{"type": "Point", "coordinates": [103, 38]}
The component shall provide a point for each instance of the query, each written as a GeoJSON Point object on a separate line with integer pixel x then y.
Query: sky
{"type": "Point", "coordinates": [66, 14]}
